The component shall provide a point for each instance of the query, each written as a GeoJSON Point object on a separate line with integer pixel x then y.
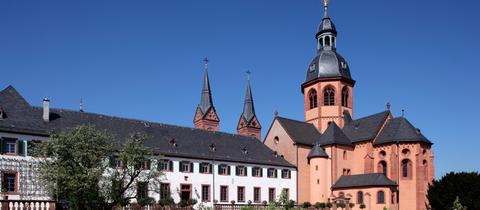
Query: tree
{"type": "Point", "coordinates": [135, 178]}
{"type": "Point", "coordinates": [464, 185]}
{"type": "Point", "coordinates": [75, 165]}
{"type": "Point", "coordinates": [457, 205]}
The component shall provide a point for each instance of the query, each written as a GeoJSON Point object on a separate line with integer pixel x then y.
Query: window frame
{"type": "Point", "coordinates": [259, 200]}
{"type": "Point", "coordinates": [241, 196]}
{"type": "Point", "coordinates": [329, 96]}
{"type": "Point", "coordinates": [184, 164]}
{"type": "Point", "coordinates": [258, 170]}
{"type": "Point", "coordinates": [208, 193]}
{"type": "Point", "coordinates": [144, 192]}
{"type": "Point", "coordinates": [271, 194]}
{"type": "Point", "coordinates": [226, 193]}
{"type": "Point", "coordinates": [288, 174]}
{"type": "Point", "coordinates": [243, 170]}
{"type": "Point", "coordinates": [381, 192]}
{"type": "Point", "coordinates": [360, 199]}
{"type": "Point", "coordinates": [345, 96]}
{"type": "Point", "coordinates": [162, 193]}
{"type": "Point", "coordinates": [201, 168]}
{"type": "Point", "coordinates": [312, 98]}
{"type": "Point", "coordinates": [274, 175]}
{"type": "Point", "coordinates": [223, 169]}
{"type": "Point", "coordinates": [5, 175]}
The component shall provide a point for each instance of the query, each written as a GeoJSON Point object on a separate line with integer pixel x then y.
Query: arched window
{"type": "Point", "coordinates": [345, 155]}
{"type": "Point", "coordinates": [333, 41]}
{"type": "Point", "coordinates": [406, 168]}
{"type": "Point", "coordinates": [425, 169]}
{"type": "Point", "coordinates": [380, 197]}
{"type": "Point", "coordinates": [320, 41]}
{"type": "Point", "coordinates": [327, 41]}
{"type": "Point", "coordinates": [359, 197]}
{"type": "Point", "coordinates": [312, 98]}
{"type": "Point", "coordinates": [345, 97]}
{"type": "Point", "coordinates": [276, 140]}
{"type": "Point", "coordinates": [329, 96]}
{"type": "Point", "coordinates": [382, 167]}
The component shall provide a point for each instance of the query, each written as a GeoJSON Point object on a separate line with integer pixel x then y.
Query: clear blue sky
{"type": "Point", "coordinates": [143, 59]}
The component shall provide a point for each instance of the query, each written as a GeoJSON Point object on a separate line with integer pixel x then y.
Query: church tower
{"type": "Point", "coordinates": [248, 125]}
{"type": "Point", "coordinates": [206, 116]}
{"type": "Point", "coordinates": [328, 88]}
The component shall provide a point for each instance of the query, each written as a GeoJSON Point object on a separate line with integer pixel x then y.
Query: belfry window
{"type": "Point", "coordinates": [345, 97]}
{"type": "Point", "coordinates": [329, 96]}
{"type": "Point", "coordinates": [320, 42]}
{"type": "Point", "coordinates": [312, 98]}
{"type": "Point", "coordinates": [327, 41]}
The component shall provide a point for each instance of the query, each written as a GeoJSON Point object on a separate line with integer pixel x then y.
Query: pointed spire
{"type": "Point", "coordinates": [206, 97]}
{"type": "Point", "coordinates": [248, 107]}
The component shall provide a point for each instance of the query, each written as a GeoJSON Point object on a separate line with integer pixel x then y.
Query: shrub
{"type": "Point", "coordinates": [166, 201]}
{"type": "Point", "coordinates": [145, 201]}
{"type": "Point", "coordinates": [306, 204]}
{"type": "Point", "coordinates": [183, 203]}
{"type": "Point", "coordinates": [362, 206]}
{"type": "Point", "coordinates": [247, 208]}
{"type": "Point", "coordinates": [328, 205]}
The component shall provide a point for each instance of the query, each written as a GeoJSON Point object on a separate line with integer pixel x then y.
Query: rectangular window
{"type": "Point", "coordinates": [223, 169]}
{"type": "Point", "coordinates": [165, 165]}
{"type": "Point", "coordinates": [240, 194]}
{"type": "Point", "coordinates": [11, 147]}
{"type": "Point", "coordinates": [271, 195]}
{"type": "Point", "coordinates": [257, 172]}
{"type": "Point", "coordinates": [164, 191]}
{"type": "Point", "coordinates": [241, 171]}
{"type": "Point", "coordinates": [205, 193]}
{"type": "Point", "coordinates": [223, 193]}
{"type": "Point", "coordinates": [142, 189]}
{"type": "Point", "coordinates": [286, 174]}
{"type": "Point", "coordinates": [256, 195]}
{"type": "Point", "coordinates": [186, 166]}
{"type": "Point", "coordinates": [272, 173]}
{"type": "Point", "coordinates": [9, 182]}
{"type": "Point", "coordinates": [205, 168]}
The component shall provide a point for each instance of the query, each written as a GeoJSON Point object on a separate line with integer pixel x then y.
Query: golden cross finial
{"type": "Point", "coordinates": [325, 6]}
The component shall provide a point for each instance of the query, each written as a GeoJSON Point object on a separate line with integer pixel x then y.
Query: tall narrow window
{"type": "Point", "coordinates": [327, 41]}
{"type": "Point", "coordinates": [271, 195]}
{"type": "Point", "coordinates": [345, 97]}
{"type": "Point", "coordinates": [142, 189]}
{"type": "Point", "coordinates": [406, 168]}
{"type": "Point", "coordinates": [359, 197]}
{"type": "Point", "coordinates": [320, 41]}
{"type": "Point", "coordinates": [329, 96]}
{"type": "Point", "coordinates": [240, 194]}
{"type": "Point", "coordinates": [256, 195]}
{"type": "Point", "coordinates": [382, 167]}
{"type": "Point", "coordinates": [312, 98]}
{"type": "Point", "coordinates": [205, 193]}
{"type": "Point", "coordinates": [223, 193]}
{"type": "Point", "coordinates": [380, 197]}
{"type": "Point", "coordinates": [344, 155]}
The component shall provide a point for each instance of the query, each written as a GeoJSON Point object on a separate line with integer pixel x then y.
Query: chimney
{"type": "Point", "coordinates": [46, 110]}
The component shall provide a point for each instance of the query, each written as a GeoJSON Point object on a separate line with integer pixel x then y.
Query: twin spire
{"type": "Point", "coordinates": [207, 118]}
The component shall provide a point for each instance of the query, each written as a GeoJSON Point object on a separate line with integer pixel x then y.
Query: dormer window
{"type": "Point", "coordinates": [2, 114]}
{"type": "Point", "coordinates": [173, 142]}
{"type": "Point", "coordinates": [245, 151]}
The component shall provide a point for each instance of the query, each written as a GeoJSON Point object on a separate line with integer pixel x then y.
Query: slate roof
{"type": "Point", "coordinates": [363, 180]}
{"type": "Point", "coordinates": [191, 143]}
{"type": "Point", "coordinates": [365, 128]}
{"type": "Point", "coordinates": [317, 151]}
{"type": "Point", "coordinates": [248, 107]}
{"type": "Point", "coordinates": [206, 101]}
{"type": "Point", "coordinates": [400, 130]}
{"type": "Point", "coordinates": [334, 135]}
{"type": "Point", "coordinates": [300, 132]}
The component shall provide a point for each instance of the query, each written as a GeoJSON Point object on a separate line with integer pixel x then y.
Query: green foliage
{"type": "Point", "coordinates": [385, 208]}
{"type": "Point", "coordinates": [320, 205]}
{"type": "Point", "coordinates": [192, 202]}
{"type": "Point", "coordinates": [145, 201]}
{"type": "Point", "coordinates": [166, 201]}
{"type": "Point", "coordinates": [328, 205]}
{"type": "Point", "coordinates": [247, 208]}
{"type": "Point", "coordinates": [442, 193]}
{"type": "Point", "coordinates": [306, 204]}
{"type": "Point", "coordinates": [183, 203]}
{"type": "Point", "coordinates": [362, 206]}
{"type": "Point", "coordinates": [285, 202]}
{"type": "Point", "coordinates": [272, 205]}
{"type": "Point", "coordinates": [75, 165]}
{"type": "Point", "coordinates": [202, 206]}
{"type": "Point", "coordinates": [341, 205]}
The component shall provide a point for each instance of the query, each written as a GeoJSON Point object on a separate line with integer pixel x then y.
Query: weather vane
{"type": "Point", "coordinates": [325, 6]}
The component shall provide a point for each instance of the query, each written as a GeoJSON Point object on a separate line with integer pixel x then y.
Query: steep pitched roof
{"type": "Point", "coordinates": [300, 132]}
{"type": "Point", "coordinates": [206, 101]}
{"type": "Point", "coordinates": [365, 128]}
{"type": "Point", "coordinates": [363, 180]}
{"type": "Point", "coordinates": [317, 151]}
{"type": "Point", "coordinates": [190, 143]}
{"type": "Point", "coordinates": [334, 135]}
{"type": "Point", "coordinates": [400, 130]}
{"type": "Point", "coordinates": [248, 107]}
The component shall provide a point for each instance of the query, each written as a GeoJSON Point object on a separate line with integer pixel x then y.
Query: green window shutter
{"type": "Point", "coordinates": [170, 165]}
{"type": "Point", "coordinates": [191, 167]}
{"type": "Point", "coordinates": [236, 170]}
{"type": "Point", "coordinates": [228, 169]}
{"type": "Point", "coordinates": [218, 169]}
{"type": "Point", "coordinates": [21, 148]}
{"type": "Point", "coordinates": [276, 173]}
{"type": "Point", "coordinates": [261, 172]}
{"type": "Point", "coordinates": [211, 167]}
{"type": "Point", "coordinates": [1, 145]}
{"type": "Point", "coordinates": [180, 166]}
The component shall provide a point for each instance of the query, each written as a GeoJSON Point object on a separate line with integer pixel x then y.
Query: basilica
{"type": "Point", "coordinates": [376, 162]}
